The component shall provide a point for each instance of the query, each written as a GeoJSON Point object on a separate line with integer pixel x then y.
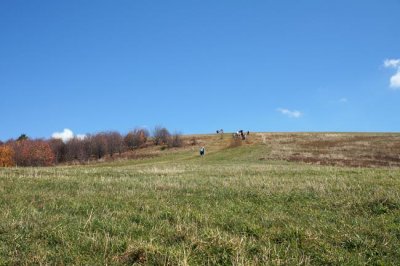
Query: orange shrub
{"type": "Point", "coordinates": [6, 156]}
{"type": "Point", "coordinates": [33, 153]}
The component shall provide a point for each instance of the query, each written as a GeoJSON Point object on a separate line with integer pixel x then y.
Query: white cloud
{"type": "Point", "coordinates": [66, 135]}
{"type": "Point", "coordinates": [81, 136]}
{"type": "Point", "coordinates": [395, 80]}
{"type": "Point", "coordinates": [392, 63]}
{"type": "Point", "coordinates": [289, 113]}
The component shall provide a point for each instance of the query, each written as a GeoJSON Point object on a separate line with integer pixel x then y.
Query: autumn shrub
{"type": "Point", "coordinates": [141, 136]}
{"type": "Point", "coordinates": [129, 140]}
{"type": "Point", "coordinates": [32, 153]}
{"type": "Point", "coordinates": [136, 138]}
{"type": "Point", "coordinates": [6, 156]}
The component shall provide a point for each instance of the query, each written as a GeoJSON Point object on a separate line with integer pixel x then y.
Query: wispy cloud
{"type": "Point", "coordinates": [395, 79]}
{"type": "Point", "coordinates": [393, 63]}
{"type": "Point", "coordinates": [343, 100]}
{"type": "Point", "coordinates": [290, 113]}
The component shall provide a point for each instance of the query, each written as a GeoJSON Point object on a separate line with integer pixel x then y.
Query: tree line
{"type": "Point", "coordinates": [41, 152]}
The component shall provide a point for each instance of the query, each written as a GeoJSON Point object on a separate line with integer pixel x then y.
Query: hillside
{"type": "Point", "coordinates": [336, 149]}
{"type": "Point", "coordinates": [277, 198]}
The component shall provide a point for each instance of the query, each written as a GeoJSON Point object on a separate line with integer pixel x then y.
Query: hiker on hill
{"type": "Point", "coordinates": [202, 151]}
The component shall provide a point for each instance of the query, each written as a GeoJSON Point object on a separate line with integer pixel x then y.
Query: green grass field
{"type": "Point", "coordinates": [254, 204]}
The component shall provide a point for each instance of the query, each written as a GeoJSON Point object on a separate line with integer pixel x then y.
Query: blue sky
{"type": "Point", "coordinates": [197, 66]}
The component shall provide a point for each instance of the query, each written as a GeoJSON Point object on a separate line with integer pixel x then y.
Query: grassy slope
{"type": "Point", "coordinates": [235, 206]}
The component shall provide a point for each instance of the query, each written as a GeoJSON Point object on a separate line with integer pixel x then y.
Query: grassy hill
{"type": "Point", "coordinates": [277, 198]}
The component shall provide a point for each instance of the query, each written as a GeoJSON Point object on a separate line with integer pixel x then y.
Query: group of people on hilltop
{"type": "Point", "coordinates": [240, 133]}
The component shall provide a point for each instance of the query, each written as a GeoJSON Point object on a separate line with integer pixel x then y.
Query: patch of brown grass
{"type": "Point", "coordinates": [134, 256]}
{"type": "Point", "coordinates": [340, 149]}
{"type": "Point", "coordinates": [235, 142]}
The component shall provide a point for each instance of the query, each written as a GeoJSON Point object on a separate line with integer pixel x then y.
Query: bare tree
{"type": "Point", "coordinates": [58, 148]}
{"type": "Point", "coordinates": [78, 149]}
{"type": "Point", "coordinates": [175, 140]}
{"type": "Point", "coordinates": [99, 145]}
{"type": "Point", "coordinates": [114, 142]}
{"type": "Point", "coordinates": [161, 135]}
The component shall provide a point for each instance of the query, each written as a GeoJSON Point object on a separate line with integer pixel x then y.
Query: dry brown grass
{"type": "Point", "coordinates": [336, 149]}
